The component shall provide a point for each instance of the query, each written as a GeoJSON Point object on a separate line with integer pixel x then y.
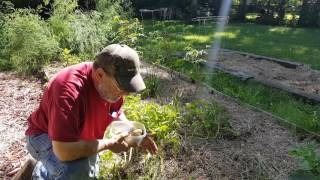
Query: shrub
{"type": "Point", "coordinates": [27, 42]}
{"type": "Point", "coordinates": [85, 33]}
{"type": "Point", "coordinates": [76, 30]}
{"type": "Point", "coordinates": [125, 31]}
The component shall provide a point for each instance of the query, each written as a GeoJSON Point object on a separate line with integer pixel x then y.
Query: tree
{"type": "Point", "coordinates": [309, 14]}
{"type": "Point", "coordinates": [281, 11]}
{"type": "Point", "coordinates": [242, 10]}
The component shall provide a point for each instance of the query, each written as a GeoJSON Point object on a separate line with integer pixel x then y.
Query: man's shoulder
{"type": "Point", "coordinates": [71, 81]}
{"type": "Point", "coordinates": [76, 72]}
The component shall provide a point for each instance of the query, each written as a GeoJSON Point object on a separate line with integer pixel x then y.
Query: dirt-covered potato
{"type": "Point", "coordinates": [136, 132]}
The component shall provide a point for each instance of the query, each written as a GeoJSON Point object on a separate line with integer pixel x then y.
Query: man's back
{"type": "Point", "coordinates": [69, 101]}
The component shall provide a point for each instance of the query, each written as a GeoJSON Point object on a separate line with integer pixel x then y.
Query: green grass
{"type": "Point", "coordinates": [299, 45]}
{"type": "Point", "coordinates": [294, 44]}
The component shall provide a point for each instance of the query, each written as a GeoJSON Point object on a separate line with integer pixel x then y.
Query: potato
{"type": "Point", "coordinates": [136, 132]}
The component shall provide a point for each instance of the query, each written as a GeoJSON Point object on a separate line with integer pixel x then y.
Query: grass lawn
{"type": "Point", "coordinates": [294, 44]}
{"type": "Point", "coordinates": [167, 38]}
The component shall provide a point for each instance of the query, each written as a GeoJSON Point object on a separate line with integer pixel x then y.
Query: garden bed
{"type": "Point", "coordinates": [258, 150]}
{"type": "Point", "coordinates": [295, 78]}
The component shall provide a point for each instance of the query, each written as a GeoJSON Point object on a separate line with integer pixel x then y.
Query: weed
{"type": "Point", "coordinates": [309, 160]}
{"type": "Point", "coordinates": [207, 119]}
{"type": "Point", "coordinates": [152, 87]}
{"type": "Point", "coordinates": [69, 59]}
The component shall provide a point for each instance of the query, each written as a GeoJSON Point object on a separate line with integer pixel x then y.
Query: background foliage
{"type": "Point", "coordinates": [69, 34]}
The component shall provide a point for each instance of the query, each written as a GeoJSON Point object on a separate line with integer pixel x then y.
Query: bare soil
{"type": "Point", "coordinates": [300, 79]}
{"type": "Point", "coordinates": [259, 152]}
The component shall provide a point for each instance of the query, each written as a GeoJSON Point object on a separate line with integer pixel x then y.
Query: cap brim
{"type": "Point", "coordinates": [137, 83]}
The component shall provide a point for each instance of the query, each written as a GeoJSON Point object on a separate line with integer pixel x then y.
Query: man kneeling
{"type": "Point", "coordinates": [65, 133]}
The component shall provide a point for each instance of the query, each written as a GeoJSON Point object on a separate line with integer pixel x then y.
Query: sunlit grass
{"type": "Point", "coordinates": [280, 29]}
{"type": "Point", "coordinates": [197, 38]}
{"type": "Point", "coordinates": [287, 16]}
{"type": "Point", "coordinates": [252, 16]}
{"type": "Point", "coordinates": [226, 35]}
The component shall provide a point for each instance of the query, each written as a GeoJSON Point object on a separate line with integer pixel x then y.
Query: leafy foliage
{"type": "Point", "coordinates": [196, 58]}
{"type": "Point", "coordinates": [70, 59]}
{"type": "Point", "coordinates": [207, 119]}
{"type": "Point", "coordinates": [125, 31]}
{"type": "Point", "coordinates": [76, 30]}
{"type": "Point", "coordinates": [163, 121]}
{"type": "Point", "coordinates": [27, 42]}
{"type": "Point", "coordinates": [309, 160]}
{"type": "Point", "coordinates": [160, 120]}
{"type": "Point", "coordinates": [84, 33]}
{"type": "Point", "coordinates": [152, 87]}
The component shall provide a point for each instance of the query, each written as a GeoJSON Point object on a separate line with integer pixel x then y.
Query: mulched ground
{"type": "Point", "coordinates": [259, 152]}
{"type": "Point", "coordinates": [19, 96]}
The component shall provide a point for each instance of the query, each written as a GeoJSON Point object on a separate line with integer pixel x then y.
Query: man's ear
{"type": "Point", "coordinates": [98, 74]}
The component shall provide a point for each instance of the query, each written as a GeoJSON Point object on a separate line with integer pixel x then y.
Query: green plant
{"type": "Point", "coordinates": [27, 42]}
{"type": "Point", "coordinates": [76, 30]}
{"type": "Point", "coordinates": [160, 120]}
{"type": "Point", "coordinates": [309, 160]}
{"type": "Point", "coordinates": [70, 59]}
{"type": "Point", "coordinates": [85, 33]}
{"type": "Point", "coordinates": [141, 166]}
{"type": "Point", "coordinates": [112, 8]}
{"type": "Point", "coordinates": [207, 119]}
{"type": "Point", "coordinates": [196, 58]}
{"type": "Point", "coordinates": [152, 87]}
{"type": "Point", "coordinates": [125, 31]}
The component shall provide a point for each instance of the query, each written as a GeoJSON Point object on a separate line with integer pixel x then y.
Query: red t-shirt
{"type": "Point", "coordinates": [71, 108]}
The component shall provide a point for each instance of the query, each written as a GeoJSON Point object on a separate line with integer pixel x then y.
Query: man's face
{"type": "Point", "coordinates": [109, 89]}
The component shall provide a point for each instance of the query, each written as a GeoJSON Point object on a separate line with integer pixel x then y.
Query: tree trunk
{"type": "Point", "coordinates": [303, 20]}
{"type": "Point", "coordinates": [194, 8]}
{"type": "Point", "coordinates": [242, 10]}
{"type": "Point", "coordinates": [310, 13]}
{"type": "Point", "coordinates": [281, 11]}
{"type": "Point", "coordinates": [217, 6]}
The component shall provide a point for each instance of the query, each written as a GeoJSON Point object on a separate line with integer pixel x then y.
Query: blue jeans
{"type": "Point", "coordinates": [49, 167]}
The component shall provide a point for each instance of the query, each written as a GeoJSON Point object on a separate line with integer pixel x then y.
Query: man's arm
{"type": "Point", "coordinates": [68, 151]}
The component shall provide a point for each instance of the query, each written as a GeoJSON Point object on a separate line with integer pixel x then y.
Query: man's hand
{"type": "Point", "coordinates": [117, 144]}
{"type": "Point", "coordinates": [148, 144]}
